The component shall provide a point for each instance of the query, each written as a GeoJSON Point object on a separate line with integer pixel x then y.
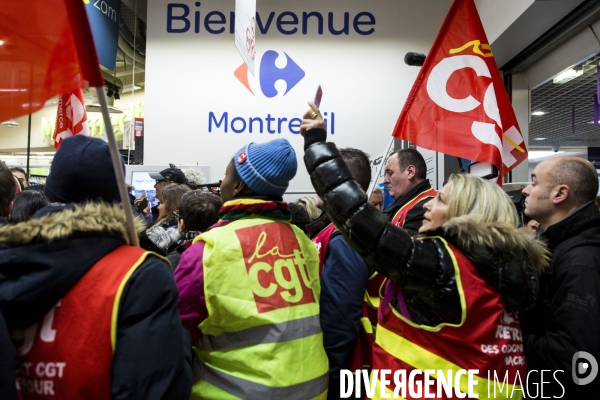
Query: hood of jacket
{"type": "Point", "coordinates": [509, 258]}
{"type": "Point", "coordinates": [43, 258]}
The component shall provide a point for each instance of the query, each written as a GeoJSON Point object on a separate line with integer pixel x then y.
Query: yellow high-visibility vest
{"type": "Point", "coordinates": [262, 338]}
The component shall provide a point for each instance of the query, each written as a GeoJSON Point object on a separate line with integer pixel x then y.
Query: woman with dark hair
{"type": "Point", "coordinates": [164, 232]}
{"type": "Point", "coordinates": [198, 210]}
{"type": "Point", "coordinates": [25, 204]}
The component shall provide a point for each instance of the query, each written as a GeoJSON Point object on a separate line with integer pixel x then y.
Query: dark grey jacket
{"type": "Point", "coordinates": [566, 318]}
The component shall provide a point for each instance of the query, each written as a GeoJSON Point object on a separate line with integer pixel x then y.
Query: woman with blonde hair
{"type": "Point", "coordinates": [310, 205]}
{"type": "Point", "coordinates": [164, 232]}
{"type": "Point", "coordinates": [452, 296]}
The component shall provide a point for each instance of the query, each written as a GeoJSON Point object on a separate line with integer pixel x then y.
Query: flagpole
{"type": "Point", "coordinates": [117, 166]}
{"type": "Point", "coordinates": [28, 146]}
{"type": "Point", "coordinates": [381, 166]}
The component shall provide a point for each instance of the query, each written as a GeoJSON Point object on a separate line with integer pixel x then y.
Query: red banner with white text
{"type": "Point", "coordinates": [71, 118]}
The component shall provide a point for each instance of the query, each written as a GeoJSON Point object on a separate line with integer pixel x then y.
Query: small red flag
{"type": "Point", "coordinates": [458, 104]}
{"type": "Point", "coordinates": [71, 118]}
{"type": "Point", "coordinates": [47, 49]}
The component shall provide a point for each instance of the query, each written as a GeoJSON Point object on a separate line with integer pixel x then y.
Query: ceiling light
{"type": "Point", "coordinates": [534, 155]}
{"type": "Point", "coordinates": [94, 107]}
{"type": "Point", "coordinates": [10, 124]}
{"type": "Point", "coordinates": [540, 138]}
{"type": "Point", "coordinates": [538, 113]}
{"type": "Point", "coordinates": [127, 88]}
{"type": "Point", "coordinates": [567, 75]}
{"type": "Point", "coordinates": [1, 42]}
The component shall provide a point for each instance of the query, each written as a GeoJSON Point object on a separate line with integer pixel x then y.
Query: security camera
{"type": "Point", "coordinates": [556, 149]}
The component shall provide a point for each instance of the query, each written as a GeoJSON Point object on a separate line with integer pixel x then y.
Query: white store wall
{"type": "Point", "coordinates": [364, 78]}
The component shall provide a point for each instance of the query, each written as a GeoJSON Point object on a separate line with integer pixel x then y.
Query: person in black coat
{"type": "Point", "coordinates": [43, 260]}
{"type": "Point", "coordinates": [566, 319]}
{"type": "Point", "coordinates": [8, 389]}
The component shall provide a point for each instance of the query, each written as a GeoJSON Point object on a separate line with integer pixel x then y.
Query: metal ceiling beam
{"type": "Point", "coordinates": [576, 21]}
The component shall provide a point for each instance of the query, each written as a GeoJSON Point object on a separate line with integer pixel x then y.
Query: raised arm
{"type": "Point", "coordinates": [384, 246]}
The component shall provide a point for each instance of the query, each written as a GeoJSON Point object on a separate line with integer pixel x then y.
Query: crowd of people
{"type": "Point", "coordinates": [245, 296]}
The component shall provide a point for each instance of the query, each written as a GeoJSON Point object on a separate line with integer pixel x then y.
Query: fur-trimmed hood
{"type": "Point", "coordinates": [509, 258]}
{"type": "Point", "coordinates": [498, 238]}
{"type": "Point", "coordinates": [64, 221]}
{"type": "Point", "coordinates": [43, 258]}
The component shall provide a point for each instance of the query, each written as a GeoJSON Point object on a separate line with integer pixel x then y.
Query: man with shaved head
{"type": "Point", "coordinates": [566, 318]}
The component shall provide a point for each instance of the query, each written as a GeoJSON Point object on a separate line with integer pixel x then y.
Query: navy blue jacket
{"type": "Point", "coordinates": [343, 284]}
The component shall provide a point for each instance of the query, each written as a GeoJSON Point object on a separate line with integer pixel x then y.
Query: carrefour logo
{"type": "Point", "coordinates": [270, 73]}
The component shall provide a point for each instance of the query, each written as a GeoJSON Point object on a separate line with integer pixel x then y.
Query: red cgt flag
{"type": "Point", "coordinates": [47, 49]}
{"type": "Point", "coordinates": [71, 118]}
{"type": "Point", "coordinates": [458, 104]}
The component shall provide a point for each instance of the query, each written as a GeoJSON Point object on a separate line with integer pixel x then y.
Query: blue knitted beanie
{"type": "Point", "coordinates": [82, 171]}
{"type": "Point", "coordinates": [267, 168]}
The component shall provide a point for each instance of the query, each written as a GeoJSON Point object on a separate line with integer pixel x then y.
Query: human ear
{"type": "Point", "coordinates": [411, 171]}
{"type": "Point", "coordinates": [561, 194]}
{"type": "Point", "coordinates": [239, 188]}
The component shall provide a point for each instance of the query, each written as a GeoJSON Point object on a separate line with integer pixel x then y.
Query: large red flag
{"type": "Point", "coordinates": [458, 104]}
{"type": "Point", "coordinates": [71, 118]}
{"type": "Point", "coordinates": [47, 49]}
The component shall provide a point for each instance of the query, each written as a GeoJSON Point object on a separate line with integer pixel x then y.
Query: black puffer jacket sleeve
{"type": "Point", "coordinates": [422, 266]}
{"type": "Point", "coordinates": [362, 225]}
{"type": "Point", "coordinates": [419, 266]}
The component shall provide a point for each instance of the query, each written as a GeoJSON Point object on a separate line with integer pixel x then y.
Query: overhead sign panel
{"type": "Point", "coordinates": [104, 17]}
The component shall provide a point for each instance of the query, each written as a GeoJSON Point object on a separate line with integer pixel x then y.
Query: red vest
{"type": "Point", "coordinates": [363, 352]}
{"type": "Point", "coordinates": [488, 338]}
{"type": "Point", "coordinates": [321, 240]}
{"type": "Point", "coordinates": [68, 355]}
{"type": "Point", "coordinates": [400, 216]}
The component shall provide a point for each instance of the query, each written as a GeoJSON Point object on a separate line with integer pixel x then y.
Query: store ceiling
{"type": "Point", "coordinates": [557, 100]}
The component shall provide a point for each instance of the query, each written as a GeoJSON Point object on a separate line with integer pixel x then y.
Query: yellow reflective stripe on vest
{"type": "Point", "coordinates": [270, 333]}
{"type": "Point", "coordinates": [366, 324]}
{"type": "Point", "coordinates": [420, 358]}
{"type": "Point", "coordinates": [242, 388]}
{"type": "Point", "coordinates": [411, 203]}
{"type": "Point", "coordinates": [117, 302]}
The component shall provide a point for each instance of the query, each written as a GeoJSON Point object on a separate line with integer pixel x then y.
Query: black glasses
{"type": "Point", "coordinates": [175, 213]}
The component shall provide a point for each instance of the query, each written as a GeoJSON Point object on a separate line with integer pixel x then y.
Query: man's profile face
{"type": "Point", "coordinates": [396, 180]}
{"type": "Point", "coordinates": [228, 183]}
{"type": "Point", "coordinates": [159, 186]}
{"type": "Point", "coordinates": [376, 200]}
{"type": "Point", "coordinates": [21, 176]}
{"type": "Point", "coordinates": [538, 204]}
